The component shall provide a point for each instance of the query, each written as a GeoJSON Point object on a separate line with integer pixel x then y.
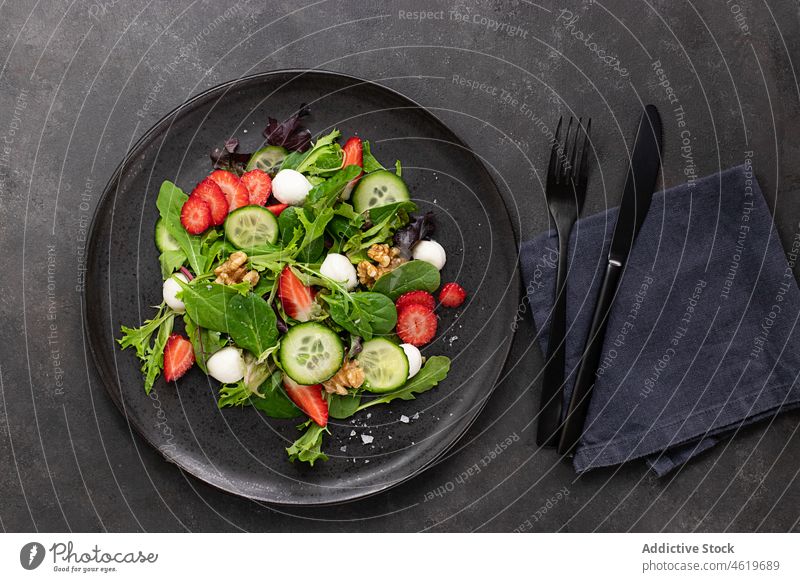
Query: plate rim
{"type": "Point", "coordinates": [130, 155]}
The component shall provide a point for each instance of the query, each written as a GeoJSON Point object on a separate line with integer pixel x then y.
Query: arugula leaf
{"type": "Point", "coordinates": [385, 220]}
{"type": "Point", "coordinates": [434, 371]}
{"type": "Point", "coordinates": [369, 162]}
{"type": "Point", "coordinates": [325, 157]}
{"type": "Point", "coordinates": [308, 448]}
{"type": "Point", "coordinates": [169, 202]}
{"type": "Point", "coordinates": [152, 356]}
{"type": "Point", "coordinates": [272, 400]}
{"type": "Point", "coordinates": [326, 193]}
{"type": "Point", "coordinates": [410, 276]}
{"type": "Point", "coordinates": [170, 262]}
{"type": "Point", "coordinates": [205, 342]}
{"type": "Point", "coordinates": [343, 406]}
{"type": "Point", "coordinates": [248, 319]}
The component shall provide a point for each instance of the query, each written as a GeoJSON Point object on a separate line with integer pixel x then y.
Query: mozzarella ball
{"type": "Point", "coordinates": [170, 289]}
{"type": "Point", "coordinates": [340, 269]}
{"type": "Point", "coordinates": [431, 252]}
{"type": "Point", "coordinates": [414, 359]}
{"type": "Point", "coordinates": [226, 365]}
{"type": "Point", "coordinates": [290, 187]}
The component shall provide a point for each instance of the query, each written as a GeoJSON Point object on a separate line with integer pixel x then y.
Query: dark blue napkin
{"type": "Point", "coordinates": [703, 335]}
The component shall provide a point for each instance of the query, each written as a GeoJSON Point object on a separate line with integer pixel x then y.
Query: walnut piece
{"type": "Point", "coordinates": [350, 375]}
{"type": "Point", "coordinates": [233, 271]}
{"type": "Point", "coordinates": [388, 259]}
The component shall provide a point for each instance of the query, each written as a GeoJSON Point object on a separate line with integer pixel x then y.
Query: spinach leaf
{"type": "Point", "coordinates": [205, 342]}
{"type": "Point", "coordinates": [272, 400]}
{"type": "Point", "coordinates": [434, 371]}
{"type": "Point", "coordinates": [308, 448]}
{"type": "Point", "coordinates": [170, 201]}
{"type": "Point", "coordinates": [410, 276]}
{"type": "Point", "coordinates": [343, 406]}
{"type": "Point", "coordinates": [363, 313]}
{"type": "Point", "coordinates": [248, 319]}
{"type": "Point", "coordinates": [170, 262]}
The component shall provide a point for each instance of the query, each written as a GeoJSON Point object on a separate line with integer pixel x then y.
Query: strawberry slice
{"type": "Point", "coordinates": [259, 186]}
{"type": "Point", "coordinates": [353, 156]}
{"type": "Point", "coordinates": [276, 209]}
{"type": "Point", "coordinates": [416, 325]}
{"type": "Point", "coordinates": [415, 298]}
{"type": "Point", "coordinates": [296, 298]}
{"type": "Point", "coordinates": [452, 295]}
{"type": "Point", "coordinates": [178, 357]}
{"type": "Point", "coordinates": [195, 215]}
{"type": "Point", "coordinates": [308, 399]}
{"type": "Point", "coordinates": [210, 193]}
{"type": "Point", "coordinates": [233, 188]}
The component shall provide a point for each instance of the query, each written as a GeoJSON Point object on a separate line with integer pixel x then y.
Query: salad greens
{"type": "Point", "coordinates": [234, 328]}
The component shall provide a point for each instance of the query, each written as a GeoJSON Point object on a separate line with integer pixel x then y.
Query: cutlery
{"type": "Point", "coordinates": [565, 192]}
{"type": "Point", "coordinates": [639, 184]}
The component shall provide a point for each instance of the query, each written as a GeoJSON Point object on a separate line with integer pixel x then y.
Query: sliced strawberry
{"type": "Point", "coordinates": [308, 399]}
{"type": "Point", "coordinates": [296, 298]}
{"type": "Point", "coordinates": [415, 298]}
{"type": "Point", "coordinates": [178, 357]}
{"type": "Point", "coordinates": [276, 209]}
{"type": "Point", "coordinates": [416, 325]}
{"type": "Point", "coordinates": [235, 191]}
{"type": "Point", "coordinates": [195, 215]}
{"type": "Point", "coordinates": [210, 193]}
{"type": "Point", "coordinates": [259, 186]}
{"type": "Point", "coordinates": [452, 295]}
{"type": "Point", "coordinates": [353, 156]}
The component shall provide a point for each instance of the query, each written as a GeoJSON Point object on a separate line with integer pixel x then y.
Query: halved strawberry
{"type": "Point", "coordinates": [195, 215]}
{"type": "Point", "coordinates": [276, 209]}
{"type": "Point", "coordinates": [178, 357]}
{"type": "Point", "coordinates": [233, 188]}
{"type": "Point", "coordinates": [259, 186]}
{"type": "Point", "coordinates": [353, 156]}
{"type": "Point", "coordinates": [296, 298]}
{"type": "Point", "coordinates": [308, 399]}
{"type": "Point", "coordinates": [452, 295]}
{"type": "Point", "coordinates": [210, 193]}
{"type": "Point", "coordinates": [415, 298]}
{"type": "Point", "coordinates": [416, 325]}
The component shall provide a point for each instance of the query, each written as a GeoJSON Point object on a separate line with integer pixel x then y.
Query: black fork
{"type": "Point", "coordinates": [567, 177]}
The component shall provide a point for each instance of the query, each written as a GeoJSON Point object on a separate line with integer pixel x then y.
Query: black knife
{"type": "Point", "coordinates": [639, 186]}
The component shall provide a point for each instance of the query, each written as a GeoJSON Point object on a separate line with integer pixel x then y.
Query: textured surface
{"type": "Point", "coordinates": [80, 82]}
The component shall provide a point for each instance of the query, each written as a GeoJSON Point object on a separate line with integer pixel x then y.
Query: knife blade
{"type": "Point", "coordinates": [636, 197]}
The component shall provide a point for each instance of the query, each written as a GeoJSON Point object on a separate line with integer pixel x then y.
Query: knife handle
{"type": "Point", "coordinates": [572, 429]}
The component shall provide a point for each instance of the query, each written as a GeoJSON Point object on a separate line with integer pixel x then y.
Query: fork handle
{"type": "Point", "coordinates": [550, 406]}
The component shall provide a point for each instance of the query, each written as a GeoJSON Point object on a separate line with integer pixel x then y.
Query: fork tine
{"type": "Point", "coordinates": [583, 172]}
{"type": "Point", "coordinates": [573, 155]}
{"type": "Point", "coordinates": [553, 165]}
{"type": "Point", "coordinates": [564, 170]}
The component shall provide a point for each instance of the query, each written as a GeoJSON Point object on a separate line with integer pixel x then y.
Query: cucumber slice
{"type": "Point", "coordinates": [385, 365]}
{"type": "Point", "coordinates": [268, 159]}
{"type": "Point", "coordinates": [164, 240]}
{"type": "Point", "coordinates": [378, 189]}
{"type": "Point", "coordinates": [311, 353]}
{"type": "Point", "coordinates": [251, 226]}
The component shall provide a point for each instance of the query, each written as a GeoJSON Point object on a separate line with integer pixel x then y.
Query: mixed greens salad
{"type": "Point", "coordinates": [302, 278]}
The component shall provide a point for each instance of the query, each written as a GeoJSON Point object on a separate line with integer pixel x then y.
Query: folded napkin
{"type": "Point", "coordinates": [702, 338]}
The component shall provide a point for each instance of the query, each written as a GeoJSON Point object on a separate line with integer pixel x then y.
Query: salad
{"type": "Point", "coordinates": [301, 278]}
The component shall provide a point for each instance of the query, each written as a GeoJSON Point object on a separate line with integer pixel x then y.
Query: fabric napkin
{"type": "Point", "coordinates": [702, 338]}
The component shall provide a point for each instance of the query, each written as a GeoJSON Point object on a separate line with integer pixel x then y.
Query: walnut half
{"type": "Point", "coordinates": [388, 259]}
{"type": "Point", "coordinates": [233, 271]}
{"type": "Point", "coordinates": [350, 375]}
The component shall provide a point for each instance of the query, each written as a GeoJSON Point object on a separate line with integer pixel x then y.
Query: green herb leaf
{"type": "Point", "coordinates": [308, 448]}
{"type": "Point", "coordinates": [248, 319]}
{"type": "Point", "coordinates": [434, 371]}
{"type": "Point", "coordinates": [343, 406]}
{"type": "Point", "coordinates": [170, 201]}
{"type": "Point", "coordinates": [410, 276]}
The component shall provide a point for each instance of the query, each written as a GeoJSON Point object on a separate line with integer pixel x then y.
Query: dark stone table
{"type": "Point", "coordinates": [81, 81]}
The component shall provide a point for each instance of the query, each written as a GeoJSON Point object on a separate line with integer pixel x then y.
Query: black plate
{"type": "Point", "coordinates": [240, 450]}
